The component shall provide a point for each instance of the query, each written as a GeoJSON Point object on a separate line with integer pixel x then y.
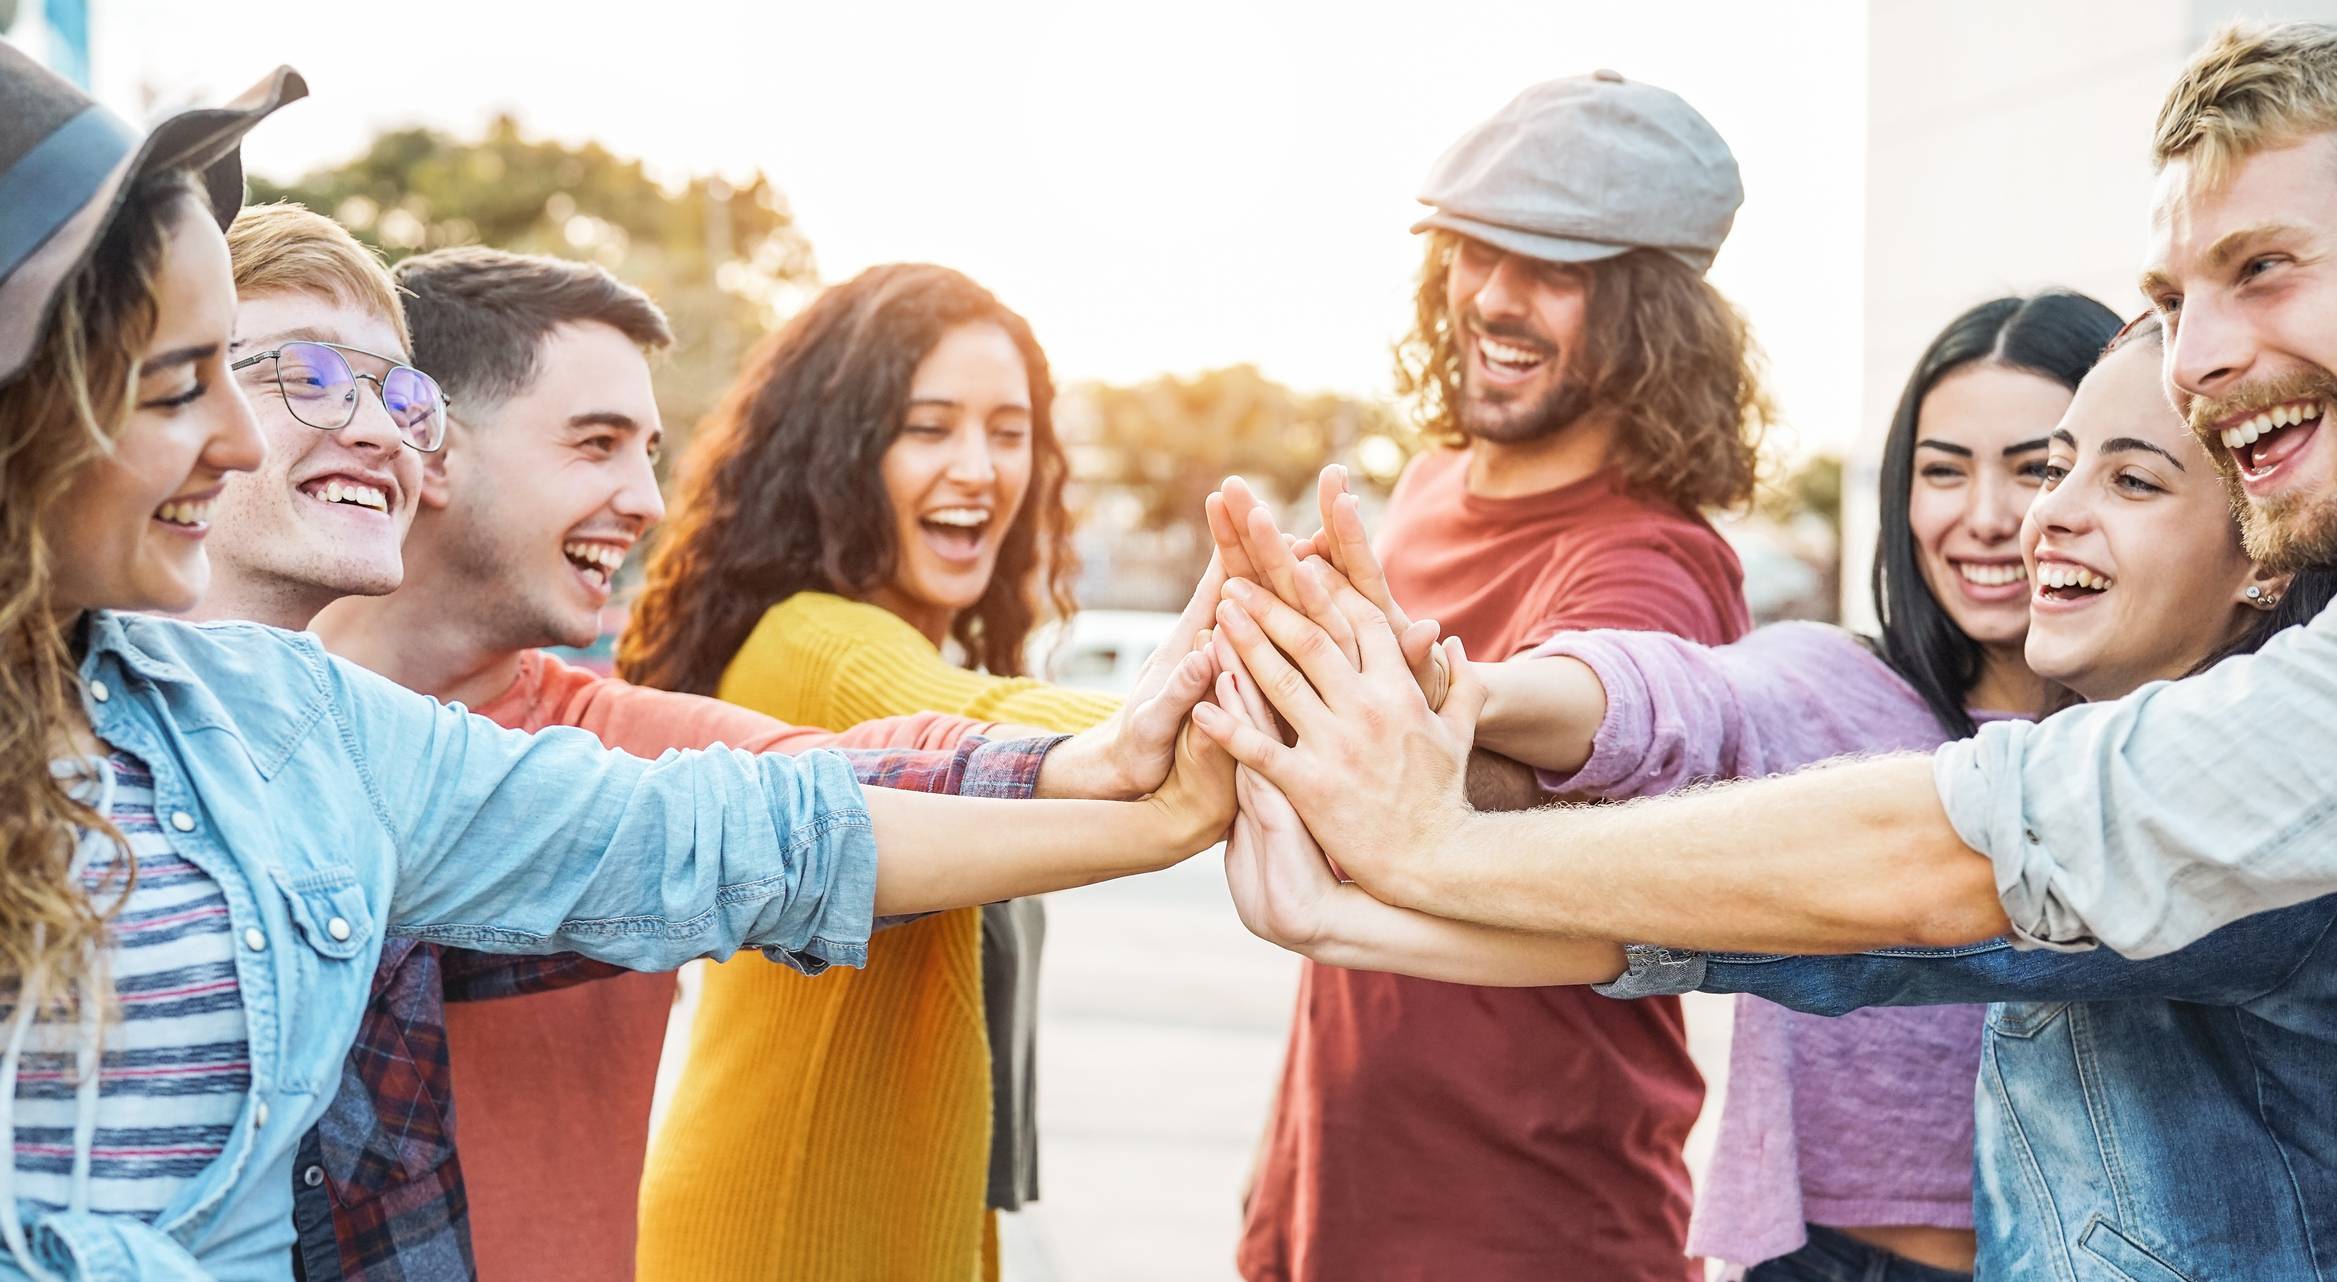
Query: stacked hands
{"type": "Point", "coordinates": [1333, 732]}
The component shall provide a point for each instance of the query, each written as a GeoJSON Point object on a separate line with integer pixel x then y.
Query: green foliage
{"type": "Point", "coordinates": [1171, 440]}
{"type": "Point", "coordinates": [1814, 487]}
{"type": "Point", "coordinates": [724, 261]}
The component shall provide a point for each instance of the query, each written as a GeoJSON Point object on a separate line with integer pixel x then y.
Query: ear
{"type": "Point", "coordinates": [435, 495]}
{"type": "Point", "coordinates": [2264, 589]}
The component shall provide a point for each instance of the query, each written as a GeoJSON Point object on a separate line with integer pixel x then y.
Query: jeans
{"type": "Point", "coordinates": [1837, 1257]}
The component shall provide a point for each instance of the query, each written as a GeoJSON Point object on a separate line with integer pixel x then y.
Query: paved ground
{"type": "Point", "coordinates": [1160, 1038]}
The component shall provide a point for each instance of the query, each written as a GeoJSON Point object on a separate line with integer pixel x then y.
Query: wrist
{"type": "Point", "coordinates": [1085, 766]}
{"type": "Point", "coordinates": [1418, 877]}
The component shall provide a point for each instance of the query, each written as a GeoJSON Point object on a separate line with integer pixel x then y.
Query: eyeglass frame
{"type": "Point", "coordinates": [445, 402]}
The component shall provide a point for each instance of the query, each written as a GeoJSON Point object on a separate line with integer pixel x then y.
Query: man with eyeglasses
{"type": "Point", "coordinates": [320, 353]}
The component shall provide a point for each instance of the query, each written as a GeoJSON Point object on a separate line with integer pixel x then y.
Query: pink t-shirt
{"type": "Point", "coordinates": [1854, 1121]}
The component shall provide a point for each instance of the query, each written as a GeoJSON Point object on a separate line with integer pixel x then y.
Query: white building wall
{"type": "Point", "coordinates": [2008, 149]}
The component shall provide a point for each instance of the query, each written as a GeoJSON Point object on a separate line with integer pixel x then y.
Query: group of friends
{"type": "Point", "coordinates": [303, 836]}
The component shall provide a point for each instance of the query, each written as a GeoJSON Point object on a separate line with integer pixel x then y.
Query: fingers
{"type": "Point", "coordinates": [1418, 643]}
{"type": "Point", "coordinates": [1270, 554]}
{"type": "Point", "coordinates": [1467, 700]}
{"type": "Point", "coordinates": [1343, 523]}
{"type": "Point", "coordinates": [1244, 742]}
{"type": "Point", "coordinates": [1264, 629]}
{"type": "Point", "coordinates": [1375, 638]}
{"type": "Point", "coordinates": [1329, 486]}
{"type": "Point", "coordinates": [1225, 532]}
{"type": "Point", "coordinates": [1314, 597]}
{"type": "Point", "coordinates": [1155, 720]}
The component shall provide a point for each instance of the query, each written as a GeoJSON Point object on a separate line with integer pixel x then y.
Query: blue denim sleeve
{"type": "Point", "coordinates": [2232, 966]}
{"type": "Point", "coordinates": [547, 842]}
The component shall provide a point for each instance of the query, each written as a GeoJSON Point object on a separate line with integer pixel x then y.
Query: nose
{"type": "Point", "coordinates": [1506, 288]}
{"type": "Point", "coordinates": [236, 444]}
{"type": "Point", "coordinates": [2211, 351]}
{"type": "Point", "coordinates": [970, 461]}
{"type": "Point", "coordinates": [371, 429]}
{"type": "Point", "coordinates": [1993, 509]}
{"type": "Point", "coordinates": [2065, 509]}
{"type": "Point", "coordinates": [638, 498]}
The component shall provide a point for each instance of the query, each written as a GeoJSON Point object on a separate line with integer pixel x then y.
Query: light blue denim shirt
{"type": "Point", "coordinates": [334, 809]}
{"type": "Point", "coordinates": [2168, 1120]}
{"type": "Point", "coordinates": [2145, 822]}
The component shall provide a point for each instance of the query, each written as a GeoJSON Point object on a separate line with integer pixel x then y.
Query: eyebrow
{"type": "Point", "coordinates": [314, 334]}
{"type": "Point", "coordinates": [943, 402]}
{"type": "Point", "coordinates": [1943, 447]}
{"type": "Point", "coordinates": [605, 418]}
{"type": "Point", "coordinates": [2219, 255]}
{"type": "Point", "coordinates": [2131, 444]}
{"type": "Point", "coordinates": [176, 357]}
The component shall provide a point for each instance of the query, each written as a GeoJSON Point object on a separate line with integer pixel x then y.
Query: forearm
{"type": "Point", "coordinates": [1498, 783]}
{"type": "Point", "coordinates": [1835, 859]}
{"type": "Point", "coordinates": [935, 853]}
{"type": "Point", "coordinates": [1542, 712]}
{"type": "Point", "coordinates": [1364, 934]}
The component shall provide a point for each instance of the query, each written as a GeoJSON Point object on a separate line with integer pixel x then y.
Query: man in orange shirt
{"type": "Point", "coordinates": [499, 531]}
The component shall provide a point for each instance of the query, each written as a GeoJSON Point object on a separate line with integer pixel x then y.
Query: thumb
{"type": "Point", "coordinates": [1416, 642]}
{"type": "Point", "coordinates": [1466, 699]}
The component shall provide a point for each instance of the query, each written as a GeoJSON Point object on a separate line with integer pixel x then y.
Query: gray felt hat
{"type": "Point", "coordinates": [1585, 168]}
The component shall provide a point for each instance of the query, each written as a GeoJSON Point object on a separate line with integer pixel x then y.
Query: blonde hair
{"type": "Point", "coordinates": [288, 249]}
{"type": "Point", "coordinates": [58, 418]}
{"type": "Point", "coordinates": [1662, 350]}
{"type": "Point", "coordinates": [2252, 87]}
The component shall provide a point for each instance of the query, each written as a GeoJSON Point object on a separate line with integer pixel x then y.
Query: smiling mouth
{"type": "Point", "coordinates": [594, 560]}
{"type": "Point", "coordinates": [1991, 574]}
{"type": "Point", "coordinates": [956, 532]}
{"type": "Point", "coordinates": [2061, 581]}
{"type": "Point", "coordinates": [348, 494]}
{"type": "Point", "coordinates": [2273, 436]}
{"type": "Point", "coordinates": [187, 514]}
{"type": "Point", "coordinates": [1508, 361]}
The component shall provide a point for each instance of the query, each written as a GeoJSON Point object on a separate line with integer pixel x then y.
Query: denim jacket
{"type": "Point", "coordinates": [336, 809]}
{"type": "Point", "coordinates": [2169, 1120]}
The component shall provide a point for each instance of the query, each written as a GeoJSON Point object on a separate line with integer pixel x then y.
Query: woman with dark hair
{"type": "Point", "coordinates": [1803, 1173]}
{"type": "Point", "coordinates": [884, 480]}
{"type": "Point", "coordinates": [2161, 1118]}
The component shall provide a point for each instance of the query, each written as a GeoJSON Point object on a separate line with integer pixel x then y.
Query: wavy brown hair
{"type": "Point", "coordinates": [58, 418]}
{"type": "Point", "coordinates": [1661, 349]}
{"type": "Point", "coordinates": [781, 491]}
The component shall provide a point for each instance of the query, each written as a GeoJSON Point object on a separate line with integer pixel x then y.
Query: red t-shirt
{"type": "Point", "coordinates": [1428, 1132]}
{"type": "Point", "coordinates": [554, 1088]}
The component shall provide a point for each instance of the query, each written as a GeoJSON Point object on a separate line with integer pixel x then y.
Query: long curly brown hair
{"type": "Point", "coordinates": [1662, 350]}
{"type": "Point", "coordinates": [59, 417]}
{"type": "Point", "coordinates": [781, 491]}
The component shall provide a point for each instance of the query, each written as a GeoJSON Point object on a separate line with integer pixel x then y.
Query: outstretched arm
{"type": "Point", "coordinates": [1837, 859]}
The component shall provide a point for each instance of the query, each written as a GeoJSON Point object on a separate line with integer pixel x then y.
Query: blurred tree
{"type": "Point", "coordinates": [1171, 440]}
{"type": "Point", "coordinates": [725, 261]}
{"type": "Point", "coordinates": [1814, 487]}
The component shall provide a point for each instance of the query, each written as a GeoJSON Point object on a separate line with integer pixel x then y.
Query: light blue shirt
{"type": "Point", "coordinates": [2147, 822]}
{"type": "Point", "coordinates": [334, 808]}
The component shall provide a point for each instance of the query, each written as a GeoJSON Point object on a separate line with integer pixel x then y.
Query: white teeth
{"type": "Point", "coordinates": [2060, 574]}
{"type": "Point", "coordinates": [1506, 354]}
{"type": "Point", "coordinates": [2241, 435]}
{"type": "Point", "coordinates": [354, 494]}
{"type": "Point", "coordinates": [1992, 575]}
{"type": "Point", "coordinates": [963, 517]}
{"type": "Point", "coordinates": [605, 557]}
{"type": "Point", "coordinates": [185, 511]}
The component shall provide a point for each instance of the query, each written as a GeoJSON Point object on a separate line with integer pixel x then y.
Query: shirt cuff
{"type": "Point", "coordinates": [1007, 769]}
{"type": "Point", "coordinates": [1980, 787]}
{"type": "Point", "coordinates": [1629, 723]}
{"type": "Point", "coordinates": [1653, 971]}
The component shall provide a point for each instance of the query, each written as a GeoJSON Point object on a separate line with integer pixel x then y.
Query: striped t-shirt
{"type": "Point", "coordinates": [176, 1063]}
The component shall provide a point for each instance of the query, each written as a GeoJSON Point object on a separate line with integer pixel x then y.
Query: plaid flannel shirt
{"type": "Point", "coordinates": [378, 1190]}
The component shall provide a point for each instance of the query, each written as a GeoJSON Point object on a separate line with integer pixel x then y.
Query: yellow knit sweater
{"type": "Point", "coordinates": [839, 1128]}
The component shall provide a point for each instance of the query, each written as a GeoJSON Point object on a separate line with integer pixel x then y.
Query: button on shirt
{"type": "Point", "coordinates": [2145, 823]}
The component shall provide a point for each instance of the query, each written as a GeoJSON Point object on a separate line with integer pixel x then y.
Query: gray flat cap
{"type": "Point", "coordinates": [1585, 168]}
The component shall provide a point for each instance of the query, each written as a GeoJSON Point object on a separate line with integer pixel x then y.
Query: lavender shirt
{"type": "Point", "coordinates": [1865, 1119]}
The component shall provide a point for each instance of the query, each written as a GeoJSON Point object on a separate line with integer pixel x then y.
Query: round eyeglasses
{"type": "Point", "coordinates": [320, 388]}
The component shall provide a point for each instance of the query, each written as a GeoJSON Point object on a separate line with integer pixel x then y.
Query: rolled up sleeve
{"type": "Point", "coordinates": [2145, 823]}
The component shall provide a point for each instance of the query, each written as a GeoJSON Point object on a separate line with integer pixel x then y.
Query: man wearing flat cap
{"type": "Point", "coordinates": [1592, 396]}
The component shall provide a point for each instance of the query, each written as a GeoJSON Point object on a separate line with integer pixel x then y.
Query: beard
{"type": "Point", "coordinates": [2290, 533]}
{"type": "Point", "coordinates": [1521, 422]}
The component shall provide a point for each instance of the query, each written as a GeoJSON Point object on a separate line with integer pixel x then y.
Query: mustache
{"type": "Point", "coordinates": [1512, 332]}
{"type": "Point", "coordinates": [2205, 414]}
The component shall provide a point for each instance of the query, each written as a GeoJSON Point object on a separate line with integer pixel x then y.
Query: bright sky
{"type": "Point", "coordinates": [1160, 188]}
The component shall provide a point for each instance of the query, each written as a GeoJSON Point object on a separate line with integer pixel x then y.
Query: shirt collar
{"type": "Point", "coordinates": [109, 632]}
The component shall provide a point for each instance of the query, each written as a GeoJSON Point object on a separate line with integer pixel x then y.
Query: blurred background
{"type": "Point", "coordinates": [1202, 209]}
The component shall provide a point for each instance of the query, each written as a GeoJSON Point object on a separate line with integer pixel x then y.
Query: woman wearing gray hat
{"type": "Point", "coordinates": [207, 832]}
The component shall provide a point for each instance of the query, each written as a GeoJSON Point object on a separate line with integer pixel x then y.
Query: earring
{"type": "Point", "coordinates": [2255, 594]}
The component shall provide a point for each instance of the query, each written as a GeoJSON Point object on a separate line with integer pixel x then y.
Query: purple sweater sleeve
{"type": "Point", "coordinates": [1786, 696]}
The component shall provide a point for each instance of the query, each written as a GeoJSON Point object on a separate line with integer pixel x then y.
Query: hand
{"type": "Point", "coordinates": [1376, 775]}
{"type": "Point", "coordinates": [1196, 802]}
{"type": "Point", "coordinates": [1130, 754]}
{"type": "Point", "coordinates": [1283, 886]}
{"type": "Point", "coordinates": [1250, 547]}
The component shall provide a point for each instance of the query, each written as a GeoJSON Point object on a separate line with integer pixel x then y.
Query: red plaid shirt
{"type": "Point", "coordinates": [378, 1190]}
